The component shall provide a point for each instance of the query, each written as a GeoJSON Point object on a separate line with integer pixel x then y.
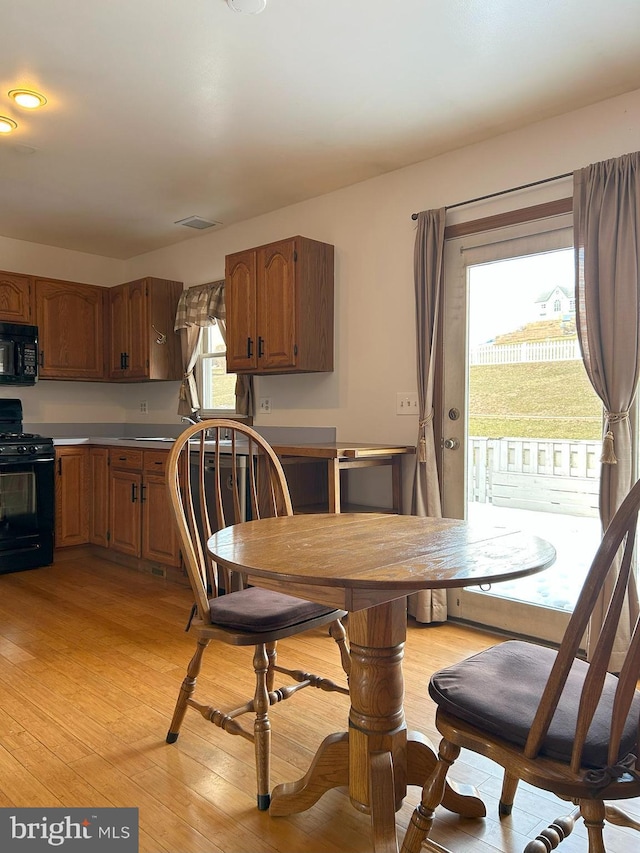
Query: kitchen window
{"type": "Point", "coordinates": [215, 385]}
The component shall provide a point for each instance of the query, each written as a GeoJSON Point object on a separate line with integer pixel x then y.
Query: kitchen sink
{"type": "Point", "coordinates": [224, 442]}
{"type": "Point", "coordinates": [150, 438]}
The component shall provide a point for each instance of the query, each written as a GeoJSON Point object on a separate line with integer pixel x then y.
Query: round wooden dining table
{"type": "Point", "coordinates": [367, 563]}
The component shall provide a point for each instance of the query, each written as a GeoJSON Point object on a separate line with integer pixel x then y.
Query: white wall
{"type": "Point", "coordinates": [370, 225]}
{"type": "Point", "coordinates": [51, 262]}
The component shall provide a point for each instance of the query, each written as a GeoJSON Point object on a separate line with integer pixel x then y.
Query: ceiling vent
{"type": "Point", "coordinates": [196, 222]}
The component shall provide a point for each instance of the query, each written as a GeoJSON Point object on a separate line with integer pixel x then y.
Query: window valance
{"type": "Point", "coordinates": [201, 305]}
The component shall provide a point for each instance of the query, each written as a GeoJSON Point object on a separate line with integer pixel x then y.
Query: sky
{"type": "Point", "coordinates": [502, 293]}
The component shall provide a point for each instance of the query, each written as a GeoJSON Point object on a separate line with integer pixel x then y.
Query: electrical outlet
{"type": "Point", "coordinates": [144, 407]}
{"type": "Point", "coordinates": [407, 403]}
{"type": "Point", "coordinates": [264, 405]}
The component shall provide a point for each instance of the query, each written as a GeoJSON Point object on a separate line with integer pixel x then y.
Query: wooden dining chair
{"type": "Point", "coordinates": [562, 724]}
{"type": "Point", "coordinates": [221, 472]}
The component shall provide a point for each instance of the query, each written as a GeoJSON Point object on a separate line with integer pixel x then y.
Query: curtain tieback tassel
{"type": "Point", "coordinates": [608, 454]}
{"type": "Point", "coordinates": [422, 443]}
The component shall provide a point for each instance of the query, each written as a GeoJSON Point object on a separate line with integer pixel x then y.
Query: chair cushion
{"type": "Point", "coordinates": [498, 691]}
{"type": "Point", "coordinates": [256, 609]}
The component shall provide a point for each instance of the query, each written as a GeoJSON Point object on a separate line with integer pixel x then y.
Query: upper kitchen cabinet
{"type": "Point", "coordinates": [279, 308]}
{"type": "Point", "coordinates": [15, 298]}
{"type": "Point", "coordinates": [70, 320]}
{"type": "Point", "coordinates": [143, 344]}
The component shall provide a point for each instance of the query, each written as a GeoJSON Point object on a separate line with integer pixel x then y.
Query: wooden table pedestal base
{"type": "Point", "coordinates": [376, 759]}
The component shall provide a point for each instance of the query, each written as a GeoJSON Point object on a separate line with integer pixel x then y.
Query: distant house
{"type": "Point", "coordinates": [558, 302]}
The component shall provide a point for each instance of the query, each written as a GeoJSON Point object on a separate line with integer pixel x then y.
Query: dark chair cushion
{"type": "Point", "coordinates": [256, 609]}
{"type": "Point", "coordinates": [499, 689]}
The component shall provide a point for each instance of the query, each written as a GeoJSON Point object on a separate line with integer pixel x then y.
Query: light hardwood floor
{"type": "Point", "coordinates": [91, 659]}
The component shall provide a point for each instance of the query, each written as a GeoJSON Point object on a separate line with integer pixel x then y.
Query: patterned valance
{"type": "Point", "coordinates": [201, 305]}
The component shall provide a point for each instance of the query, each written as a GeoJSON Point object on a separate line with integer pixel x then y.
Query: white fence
{"type": "Point", "coordinates": [531, 351]}
{"type": "Point", "coordinates": [548, 476]}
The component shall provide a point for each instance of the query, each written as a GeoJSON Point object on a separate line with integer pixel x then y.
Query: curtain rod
{"type": "Point", "coordinates": [503, 192]}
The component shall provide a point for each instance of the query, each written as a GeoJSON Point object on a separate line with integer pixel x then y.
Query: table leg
{"type": "Point", "coordinates": [329, 769]}
{"type": "Point", "coordinates": [376, 723]}
{"type": "Point", "coordinates": [396, 483]}
{"type": "Point", "coordinates": [383, 816]}
{"type": "Point", "coordinates": [333, 475]}
{"type": "Point", "coordinates": [376, 686]}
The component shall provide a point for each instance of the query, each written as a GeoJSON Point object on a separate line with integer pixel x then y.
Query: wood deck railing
{"type": "Point", "coordinates": [541, 474]}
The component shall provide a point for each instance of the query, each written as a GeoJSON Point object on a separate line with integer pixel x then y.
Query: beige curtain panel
{"type": "Point", "coordinates": [430, 605]}
{"type": "Point", "coordinates": [606, 223]}
{"type": "Point", "coordinates": [198, 307]}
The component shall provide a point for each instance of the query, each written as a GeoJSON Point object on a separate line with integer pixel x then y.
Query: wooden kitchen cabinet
{"type": "Point", "coordinates": [15, 297]}
{"type": "Point", "coordinates": [279, 308]}
{"type": "Point", "coordinates": [142, 343]}
{"type": "Point", "coordinates": [141, 522]}
{"type": "Point", "coordinates": [71, 496]}
{"type": "Point", "coordinates": [70, 320]}
{"type": "Point", "coordinates": [159, 538]}
{"type": "Point", "coordinates": [99, 496]}
{"type": "Point", "coordinates": [125, 512]}
{"type": "Point", "coordinates": [125, 480]}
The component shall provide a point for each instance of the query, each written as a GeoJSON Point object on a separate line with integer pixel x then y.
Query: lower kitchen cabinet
{"type": "Point", "coordinates": [99, 496]}
{"type": "Point", "coordinates": [116, 499]}
{"type": "Point", "coordinates": [125, 512]}
{"type": "Point", "coordinates": [159, 540]}
{"type": "Point", "coordinates": [72, 496]}
{"type": "Point", "coordinates": [141, 522]}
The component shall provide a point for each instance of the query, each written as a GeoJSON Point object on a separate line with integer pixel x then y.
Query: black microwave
{"type": "Point", "coordinates": [18, 354]}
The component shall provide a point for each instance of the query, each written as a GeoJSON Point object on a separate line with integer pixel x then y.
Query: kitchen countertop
{"type": "Point", "coordinates": [318, 450]}
{"type": "Point", "coordinates": [337, 456]}
{"type": "Point", "coordinates": [151, 443]}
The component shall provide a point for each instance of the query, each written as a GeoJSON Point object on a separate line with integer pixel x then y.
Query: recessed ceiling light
{"type": "Point", "coordinates": [7, 124]}
{"type": "Point", "coordinates": [27, 98]}
{"type": "Point", "coordinates": [248, 7]}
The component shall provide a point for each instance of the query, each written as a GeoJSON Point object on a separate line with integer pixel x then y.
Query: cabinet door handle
{"type": "Point", "coordinates": [60, 466]}
{"type": "Point", "coordinates": [126, 360]}
{"type": "Point", "coordinates": [121, 361]}
{"type": "Point", "coordinates": [249, 347]}
{"type": "Point", "coordinates": [142, 491]}
{"type": "Point", "coordinates": [134, 496]}
{"type": "Point", "coordinates": [260, 347]}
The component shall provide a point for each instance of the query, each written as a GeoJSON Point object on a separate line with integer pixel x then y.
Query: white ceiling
{"type": "Point", "coordinates": [163, 109]}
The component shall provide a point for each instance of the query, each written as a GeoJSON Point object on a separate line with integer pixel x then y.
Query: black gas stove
{"type": "Point", "coordinates": [25, 445]}
{"type": "Point", "coordinates": [27, 493]}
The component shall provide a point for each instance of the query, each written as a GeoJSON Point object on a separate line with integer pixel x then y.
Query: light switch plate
{"type": "Point", "coordinates": [407, 403]}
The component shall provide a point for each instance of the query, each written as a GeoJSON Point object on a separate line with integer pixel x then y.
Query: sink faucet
{"type": "Point", "coordinates": [197, 419]}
